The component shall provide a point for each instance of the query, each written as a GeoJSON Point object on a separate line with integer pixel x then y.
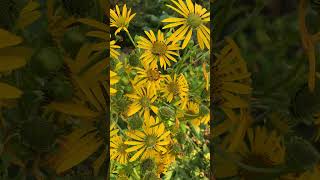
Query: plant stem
{"type": "Point", "coordinates": [131, 39]}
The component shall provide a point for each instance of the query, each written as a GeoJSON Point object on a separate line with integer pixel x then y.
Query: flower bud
{"type": "Point", "coordinates": [147, 165]}
{"type": "Point", "coordinates": [204, 110]}
{"type": "Point", "coordinates": [151, 176]}
{"type": "Point", "coordinates": [166, 113]}
{"type": "Point", "coordinates": [135, 122]}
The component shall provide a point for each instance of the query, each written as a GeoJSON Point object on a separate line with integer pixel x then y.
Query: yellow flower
{"type": "Point", "coordinates": [118, 150]}
{"type": "Point", "coordinates": [114, 78]}
{"type": "Point", "coordinates": [158, 49]}
{"type": "Point", "coordinates": [264, 150]}
{"type": "Point", "coordinates": [149, 77]}
{"type": "Point", "coordinates": [231, 80]}
{"type": "Point", "coordinates": [193, 108]}
{"type": "Point", "coordinates": [150, 141]}
{"type": "Point", "coordinates": [194, 18]}
{"type": "Point", "coordinates": [143, 101]}
{"type": "Point", "coordinates": [176, 87]}
{"type": "Point", "coordinates": [114, 54]}
{"type": "Point", "coordinates": [121, 21]}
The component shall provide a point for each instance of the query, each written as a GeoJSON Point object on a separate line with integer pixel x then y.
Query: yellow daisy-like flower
{"type": "Point", "coordinates": [231, 81]}
{"type": "Point", "coordinates": [158, 49]}
{"type": "Point", "coordinates": [264, 150]}
{"type": "Point", "coordinates": [114, 78]}
{"type": "Point", "coordinates": [150, 141]}
{"type": "Point", "coordinates": [149, 77]}
{"type": "Point", "coordinates": [143, 101]}
{"type": "Point", "coordinates": [193, 108]}
{"type": "Point", "coordinates": [175, 87]}
{"type": "Point", "coordinates": [121, 21]}
{"type": "Point", "coordinates": [113, 52]}
{"type": "Point", "coordinates": [194, 18]}
{"type": "Point", "coordinates": [118, 150]}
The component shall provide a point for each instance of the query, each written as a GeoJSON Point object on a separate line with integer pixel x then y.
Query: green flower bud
{"type": "Point", "coordinates": [125, 80]}
{"type": "Point", "coordinates": [166, 113]}
{"type": "Point", "coordinates": [38, 134]}
{"type": "Point", "coordinates": [147, 165]}
{"type": "Point", "coordinates": [301, 154]}
{"type": "Point", "coordinates": [60, 89]}
{"type": "Point", "coordinates": [151, 176]}
{"type": "Point", "coordinates": [204, 110]}
{"type": "Point", "coordinates": [48, 59]}
{"type": "Point", "coordinates": [181, 137]}
{"type": "Point", "coordinates": [305, 103]}
{"type": "Point", "coordinates": [135, 122]}
{"type": "Point", "coordinates": [134, 59]}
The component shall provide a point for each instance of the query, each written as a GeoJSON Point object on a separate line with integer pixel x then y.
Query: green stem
{"type": "Point", "coordinates": [131, 39]}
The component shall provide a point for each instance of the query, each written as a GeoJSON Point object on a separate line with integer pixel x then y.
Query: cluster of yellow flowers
{"type": "Point", "coordinates": [155, 90]}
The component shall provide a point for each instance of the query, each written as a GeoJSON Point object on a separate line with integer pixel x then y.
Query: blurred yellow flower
{"type": "Point", "coordinates": [158, 49]}
{"type": "Point", "coordinates": [150, 141]}
{"type": "Point", "coordinates": [231, 80]}
{"type": "Point", "coordinates": [194, 18]}
{"type": "Point", "coordinates": [114, 78]}
{"type": "Point", "coordinates": [263, 149]}
{"type": "Point", "coordinates": [113, 52]}
{"type": "Point", "coordinates": [121, 21]}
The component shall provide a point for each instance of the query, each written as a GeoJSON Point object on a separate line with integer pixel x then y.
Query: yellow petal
{"type": "Point", "coordinates": [8, 39]}
{"type": "Point", "coordinates": [74, 109]}
{"type": "Point", "coordinates": [9, 92]}
{"type": "Point", "coordinates": [136, 156]}
{"type": "Point", "coordinates": [187, 39]}
{"type": "Point", "coordinates": [8, 63]}
{"type": "Point", "coordinates": [93, 23]}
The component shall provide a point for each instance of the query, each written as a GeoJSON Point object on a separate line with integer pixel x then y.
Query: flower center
{"type": "Point", "coordinates": [150, 141]}
{"type": "Point", "coordinates": [159, 48]}
{"type": "Point", "coordinates": [173, 88]}
{"type": "Point", "coordinates": [153, 74]}
{"type": "Point", "coordinates": [144, 101]}
{"type": "Point", "coordinates": [256, 160]}
{"type": "Point", "coordinates": [122, 148]}
{"type": "Point", "coordinates": [194, 20]}
{"type": "Point", "coordinates": [121, 22]}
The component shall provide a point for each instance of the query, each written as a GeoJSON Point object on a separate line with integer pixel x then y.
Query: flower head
{"type": "Point", "coordinates": [176, 87]}
{"type": "Point", "coordinates": [150, 77]}
{"type": "Point", "coordinates": [118, 150]}
{"type": "Point", "coordinates": [143, 101]}
{"type": "Point", "coordinates": [150, 141]}
{"type": "Point", "coordinates": [193, 18]}
{"type": "Point", "coordinates": [121, 21]}
{"type": "Point", "coordinates": [158, 49]}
